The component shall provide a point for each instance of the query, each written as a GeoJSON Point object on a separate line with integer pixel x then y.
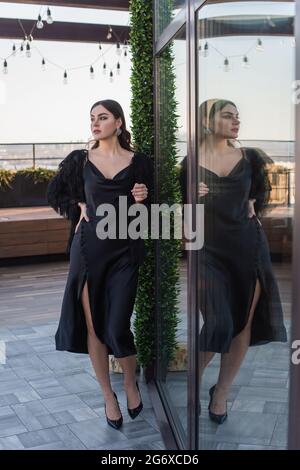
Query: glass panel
{"type": "Point", "coordinates": [172, 272]}
{"type": "Point", "coordinates": [245, 143]}
{"type": "Point", "coordinates": [165, 12]}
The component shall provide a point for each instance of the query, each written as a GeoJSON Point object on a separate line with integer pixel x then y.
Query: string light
{"type": "Point", "coordinates": [28, 38]}
{"type": "Point", "coordinates": [226, 65]}
{"type": "Point", "coordinates": [109, 34]}
{"type": "Point", "coordinates": [5, 68]}
{"type": "Point", "coordinates": [40, 23]}
{"type": "Point", "coordinates": [245, 62]}
{"type": "Point", "coordinates": [259, 46]}
{"type": "Point", "coordinates": [49, 17]}
{"type": "Point", "coordinates": [28, 51]}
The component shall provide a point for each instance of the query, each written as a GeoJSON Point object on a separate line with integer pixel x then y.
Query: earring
{"type": "Point", "coordinates": [119, 131]}
{"type": "Point", "coordinates": [207, 130]}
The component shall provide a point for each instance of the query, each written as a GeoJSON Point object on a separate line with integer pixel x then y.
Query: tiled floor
{"type": "Point", "coordinates": [51, 399]}
{"type": "Point", "coordinates": [258, 401]}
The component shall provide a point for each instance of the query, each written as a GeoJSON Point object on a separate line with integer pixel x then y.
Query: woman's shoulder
{"type": "Point", "coordinates": [257, 155]}
{"type": "Point", "coordinates": [74, 158]}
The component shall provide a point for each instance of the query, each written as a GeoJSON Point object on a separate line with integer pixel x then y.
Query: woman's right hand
{"type": "Point", "coordinates": [203, 189]}
{"type": "Point", "coordinates": [83, 214]}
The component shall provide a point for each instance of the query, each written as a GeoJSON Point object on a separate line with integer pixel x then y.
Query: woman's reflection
{"type": "Point", "coordinates": [238, 294]}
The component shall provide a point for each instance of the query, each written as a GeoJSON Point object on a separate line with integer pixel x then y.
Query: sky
{"type": "Point", "coordinates": [36, 106]}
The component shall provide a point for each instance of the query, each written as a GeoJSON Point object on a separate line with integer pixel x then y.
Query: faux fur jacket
{"type": "Point", "coordinates": [66, 189]}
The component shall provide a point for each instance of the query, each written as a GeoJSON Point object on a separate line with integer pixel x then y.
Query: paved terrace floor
{"type": "Point", "coordinates": [51, 399]}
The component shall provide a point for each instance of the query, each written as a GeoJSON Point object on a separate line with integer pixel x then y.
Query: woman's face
{"type": "Point", "coordinates": [103, 123]}
{"type": "Point", "coordinates": [226, 122]}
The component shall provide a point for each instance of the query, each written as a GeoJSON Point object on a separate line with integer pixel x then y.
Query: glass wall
{"type": "Point", "coordinates": [226, 80]}
{"type": "Point", "coordinates": [246, 133]}
{"type": "Point", "coordinates": [172, 264]}
{"type": "Point", "coordinates": [165, 12]}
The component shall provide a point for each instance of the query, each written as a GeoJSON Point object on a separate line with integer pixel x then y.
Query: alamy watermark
{"type": "Point", "coordinates": [166, 222]}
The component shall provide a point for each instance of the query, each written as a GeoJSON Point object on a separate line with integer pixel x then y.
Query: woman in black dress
{"type": "Point", "coordinates": [238, 294]}
{"type": "Point", "coordinates": [101, 286]}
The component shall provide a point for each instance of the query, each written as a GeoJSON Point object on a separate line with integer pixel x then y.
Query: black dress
{"type": "Point", "coordinates": [234, 255]}
{"type": "Point", "coordinates": [107, 266]}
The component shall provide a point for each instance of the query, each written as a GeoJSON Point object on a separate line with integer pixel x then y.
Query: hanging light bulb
{"type": "Point", "coordinates": [49, 17]}
{"type": "Point", "coordinates": [100, 46]}
{"type": "Point", "coordinates": [259, 46]}
{"type": "Point", "coordinates": [14, 50]}
{"type": "Point", "coordinates": [226, 65]}
{"type": "Point", "coordinates": [118, 68]}
{"type": "Point", "coordinates": [118, 48]}
{"type": "Point", "coordinates": [109, 35]}
{"type": "Point", "coordinates": [111, 76]}
{"type": "Point", "coordinates": [5, 68]}
{"type": "Point", "coordinates": [22, 50]}
{"type": "Point", "coordinates": [28, 51]}
{"type": "Point", "coordinates": [43, 65]}
{"type": "Point", "coordinates": [30, 38]}
{"type": "Point", "coordinates": [104, 68]}
{"type": "Point", "coordinates": [206, 49]}
{"type": "Point", "coordinates": [125, 53]}
{"type": "Point", "coordinates": [39, 23]}
{"type": "Point", "coordinates": [92, 75]}
{"type": "Point", "coordinates": [246, 62]}
{"type": "Point", "coordinates": [65, 78]}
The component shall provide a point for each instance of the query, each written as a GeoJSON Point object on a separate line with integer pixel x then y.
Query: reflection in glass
{"type": "Point", "coordinates": [166, 11]}
{"type": "Point", "coordinates": [172, 272]}
{"type": "Point", "coordinates": [245, 181]}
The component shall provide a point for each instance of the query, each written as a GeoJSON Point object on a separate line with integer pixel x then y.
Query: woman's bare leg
{"type": "Point", "coordinates": [128, 365]}
{"type": "Point", "coordinates": [231, 361]}
{"type": "Point", "coordinates": [99, 357]}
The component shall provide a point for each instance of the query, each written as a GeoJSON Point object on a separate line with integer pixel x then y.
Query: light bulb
{"type": "Point", "coordinates": [28, 51]}
{"type": "Point", "coordinates": [39, 23]}
{"type": "Point", "coordinates": [118, 48]}
{"type": "Point", "coordinates": [259, 46]}
{"type": "Point", "coordinates": [104, 68]}
{"type": "Point", "coordinates": [65, 78]}
{"type": "Point", "coordinates": [49, 17]}
{"type": "Point", "coordinates": [14, 49]}
{"type": "Point", "coordinates": [111, 76]}
{"type": "Point", "coordinates": [206, 50]}
{"type": "Point", "coordinates": [92, 75]}
{"type": "Point", "coordinates": [118, 68]}
{"type": "Point", "coordinates": [5, 68]}
{"type": "Point", "coordinates": [226, 65]}
{"type": "Point", "coordinates": [43, 65]}
{"type": "Point", "coordinates": [246, 62]}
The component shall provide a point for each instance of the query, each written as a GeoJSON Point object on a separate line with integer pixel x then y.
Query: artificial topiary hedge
{"type": "Point", "coordinates": [142, 117]}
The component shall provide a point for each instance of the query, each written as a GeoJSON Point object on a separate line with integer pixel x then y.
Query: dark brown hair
{"type": "Point", "coordinates": [116, 109]}
{"type": "Point", "coordinates": [218, 105]}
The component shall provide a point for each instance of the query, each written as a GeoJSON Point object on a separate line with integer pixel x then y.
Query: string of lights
{"type": "Point", "coordinates": [204, 49]}
{"type": "Point", "coordinates": [26, 47]}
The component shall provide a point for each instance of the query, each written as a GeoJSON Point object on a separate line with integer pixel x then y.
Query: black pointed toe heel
{"type": "Point", "coordinates": [115, 423]}
{"type": "Point", "coordinates": [134, 412]}
{"type": "Point", "coordinates": [219, 419]}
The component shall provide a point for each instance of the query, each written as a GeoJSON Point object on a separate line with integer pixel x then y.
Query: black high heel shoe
{"type": "Point", "coordinates": [134, 412]}
{"type": "Point", "coordinates": [114, 423]}
{"type": "Point", "coordinates": [219, 419]}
